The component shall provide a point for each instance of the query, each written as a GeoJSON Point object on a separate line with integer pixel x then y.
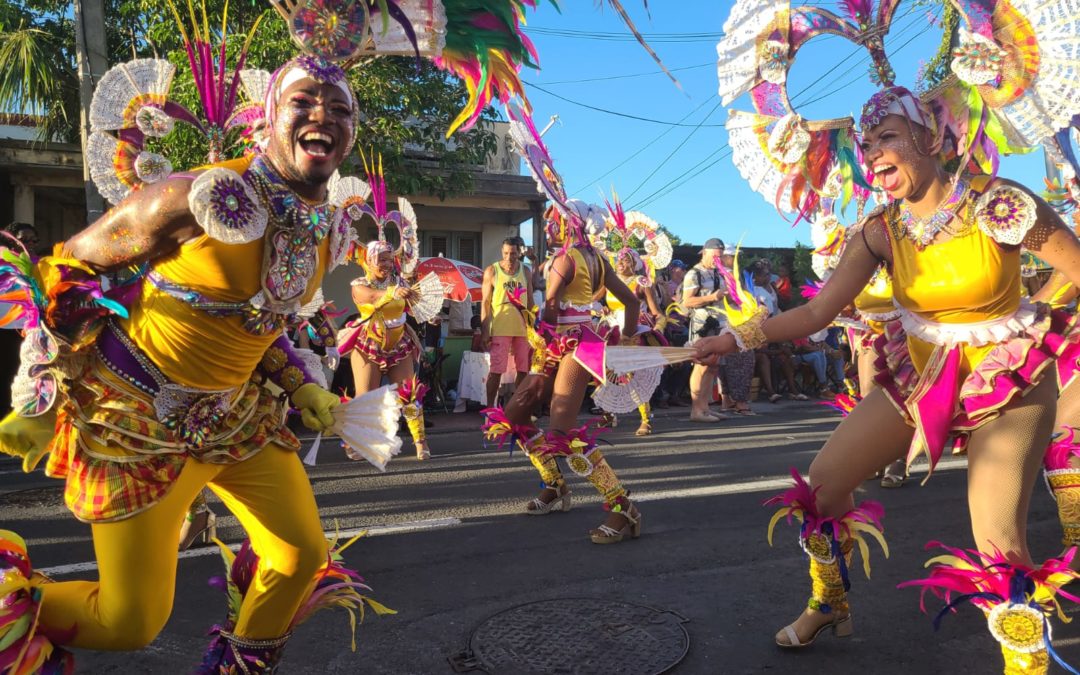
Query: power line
{"type": "Point", "coordinates": [623, 77]}
{"type": "Point", "coordinates": [691, 173]}
{"type": "Point", "coordinates": [612, 112]}
{"type": "Point", "coordinates": [708, 157]}
{"type": "Point", "coordinates": [687, 179]}
{"type": "Point", "coordinates": [859, 49]}
{"type": "Point", "coordinates": [640, 150]}
{"type": "Point", "coordinates": [850, 82]}
{"type": "Point", "coordinates": [672, 153]}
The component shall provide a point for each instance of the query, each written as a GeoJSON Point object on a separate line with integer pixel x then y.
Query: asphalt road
{"type": "Point", "coordinates": [450, 547]}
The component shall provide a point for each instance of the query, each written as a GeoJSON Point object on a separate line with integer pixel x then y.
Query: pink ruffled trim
{"type": "Point", "coordinates": [1008, 372]}
{"type": "Point", "coordinates": [1016, 367]}
{"type": "Point", "coordinates": [896, 374]}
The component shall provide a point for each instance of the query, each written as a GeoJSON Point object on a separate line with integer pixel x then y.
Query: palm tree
{"type": "Point", "coordinates": [37, 76]}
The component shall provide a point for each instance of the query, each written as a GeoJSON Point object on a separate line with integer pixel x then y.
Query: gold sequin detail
{"type": "Point", "coordinates": [274, 359]}
{"type": "Point", "coordinates": [291, 379]}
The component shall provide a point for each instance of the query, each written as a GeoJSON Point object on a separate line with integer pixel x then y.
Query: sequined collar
{"type": "Point", "coordinates": [285, 206]}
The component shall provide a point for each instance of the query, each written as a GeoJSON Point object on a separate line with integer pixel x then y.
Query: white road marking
{"type": "Point", "coordinates": [763, 485]}
{"type": "Point", "coordinates": [343, 535]}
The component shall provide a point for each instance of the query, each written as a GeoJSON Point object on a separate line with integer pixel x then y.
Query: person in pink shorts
{"type": "Point", "coordinates": [502, 328]}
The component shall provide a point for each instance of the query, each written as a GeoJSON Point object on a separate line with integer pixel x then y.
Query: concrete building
{"type": "Point", "coordinates": [41, 183]}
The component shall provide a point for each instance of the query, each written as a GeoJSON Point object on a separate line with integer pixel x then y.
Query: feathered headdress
{"type": "Point", "coordinates": [1004, 80]}
{"type": "Point", "coordinates": [354, 194]}
{"type": "Point", "coordinates": [626, 231]}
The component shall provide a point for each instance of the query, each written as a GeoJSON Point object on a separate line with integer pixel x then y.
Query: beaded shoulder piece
{"type": "Point", "coordinates": [226, 207]}
{"type": "Point", "coordinates": [1006, 214]}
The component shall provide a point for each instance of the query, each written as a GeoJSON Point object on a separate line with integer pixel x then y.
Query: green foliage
{"type": "Point", "coordinates": [803, 269]}
{"type": "Point", "coordinates": [405, 105]}
{"type": "Point", "coordinates": [676, 240]}
{"type": "Point", "coordinates": [37, 72]}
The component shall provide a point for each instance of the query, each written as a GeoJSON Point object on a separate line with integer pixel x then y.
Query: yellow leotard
{"type": "Point", "coordinates": [191, 347]}
{"type": "Point", "coordinates": [580, 291]}
{"type": "Point", "coordinates": [384, 319]}
{"type": "Point", "coordinates": [967, 278]}
{"type": "Point", "coordinates": [616, 305]}
{"type": "Point", "coordinates": [876, 300]}
{"type": "Point", "coordinates": [576, 306]}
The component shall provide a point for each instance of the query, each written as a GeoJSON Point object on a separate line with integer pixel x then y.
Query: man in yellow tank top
{"type": "Point", "coordinates": [502, 328]}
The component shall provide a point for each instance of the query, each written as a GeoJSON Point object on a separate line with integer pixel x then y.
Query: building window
{"type": "Point", "coordinates": [463, 246]}
{"type": "Point", "coordinates": [438, 245]}
{"type": "Point", "coordinates": [468, 245]}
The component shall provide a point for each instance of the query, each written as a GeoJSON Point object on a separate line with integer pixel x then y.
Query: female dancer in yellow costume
{"type": "Point", "coordinates": [985, 360]}
{"type": "Point", "coordinates": [171, 398]}
{"type": "Point", "coordinates": [631, 270]}
{"type": "Point", "coordinates": [577, 273]}
{"type": "Point", "coordinates": [381, 344]}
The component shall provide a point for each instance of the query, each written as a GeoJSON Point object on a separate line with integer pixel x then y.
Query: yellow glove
{"type": "Point", "coordinates": [27, 437]}
{"type": "Point", "coordinates": [315, 405]}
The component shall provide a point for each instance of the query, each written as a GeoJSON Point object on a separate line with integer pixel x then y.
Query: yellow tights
{"type": "Point", "coordinates": [132, 599]}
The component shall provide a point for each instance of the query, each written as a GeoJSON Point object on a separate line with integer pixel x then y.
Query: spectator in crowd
{"type": "Point", "coordinates": [782, 284]}
{"type": "Point", "coordinates": [735, 370]}
{"type": "Point", "coordinates": [27, 234]}
{"type": "Point", "coordinates": [777, 358]}
{"type": "Point", "coordinates": [502, 325]}
{"type": "Point", "coordinates": [812, 353]}
{"type": "Point", "coordinates": [676, 378]}
{"type": "Point", "coordinates": [763, 290]}
{"type": "Point", "coordinates": [702, 293]}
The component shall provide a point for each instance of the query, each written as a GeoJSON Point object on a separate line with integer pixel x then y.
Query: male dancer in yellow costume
{"type": "Point", "coordinates": [171, 399]}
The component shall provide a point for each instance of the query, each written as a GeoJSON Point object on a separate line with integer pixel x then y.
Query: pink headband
{"type": "Point", "coordinates": [895, 101]}
{"type": "Point", "coordinates": [320, 70]}
{"type": "Point", "coordinates": [374, 248]}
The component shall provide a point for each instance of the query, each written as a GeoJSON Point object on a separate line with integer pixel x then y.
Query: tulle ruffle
{"type": "Point", "coordinates": [896, 374]}
{"type": "Point", "coordinates": [1045, 345]}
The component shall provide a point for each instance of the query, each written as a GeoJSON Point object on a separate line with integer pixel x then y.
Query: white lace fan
{"type": "Point", "coordinates": [624, 393]}
{"type": "Point", "coordinates": [629, 359]}
{"type": "Point", "coordinates": [367, 425]}
{"type": "Point", "coordinates": [1054, 97]}
{"type": "Point", "coordinates": [116, 166]}
{"type": "Point", "coordinates": [140, 81]}
{"type": "Point", "coordinates": [744, 133]}
{"type": "Point", "coordinates": [431, 298]}
{"type": "Point", "coordinates": [738, 52]}
{"type": "Point", "coordinates": [256, 83]}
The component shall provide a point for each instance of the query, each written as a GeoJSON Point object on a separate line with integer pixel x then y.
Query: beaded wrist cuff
{"type": "Point", "coordinates": [748, 335]}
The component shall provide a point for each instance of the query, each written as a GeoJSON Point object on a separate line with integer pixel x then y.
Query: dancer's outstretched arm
{"type": "Point", "coordinates": [864, 252]}
{"type": "Point", "coordinates": [150, 223]}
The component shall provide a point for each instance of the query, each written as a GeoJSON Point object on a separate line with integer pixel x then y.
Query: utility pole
{"type": "Point", "coordinates": [92, 60]}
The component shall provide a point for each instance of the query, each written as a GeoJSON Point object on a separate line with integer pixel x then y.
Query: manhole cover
{"type": "Point", "coordinates": [580, 636]}
{"type": "Point", "coordinates": [46, 496]}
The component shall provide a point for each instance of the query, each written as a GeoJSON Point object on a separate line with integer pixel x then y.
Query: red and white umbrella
{"type": "Point", "coordinates": [461, 281]}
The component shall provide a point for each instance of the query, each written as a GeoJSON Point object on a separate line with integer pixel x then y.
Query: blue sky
{"type": "Point", "coordinates": [680, 175]}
